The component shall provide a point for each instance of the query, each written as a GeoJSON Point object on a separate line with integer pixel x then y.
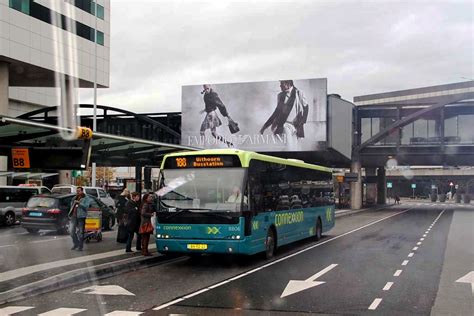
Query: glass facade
{"type": "Point", "coordinates": [45, 14]}
{"type": "Point", "coordinates": [424, 131]}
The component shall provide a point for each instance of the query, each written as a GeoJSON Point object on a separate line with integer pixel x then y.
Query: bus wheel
{"type": "Point", "coordinates": [270, 244]}
{"type": "Point", "coordinates": [319, 230]}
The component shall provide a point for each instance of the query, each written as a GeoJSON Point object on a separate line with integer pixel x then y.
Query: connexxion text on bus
{"type": "Point", "coordinates": [239, 202]}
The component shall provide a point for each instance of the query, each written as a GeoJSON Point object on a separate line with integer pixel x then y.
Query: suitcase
{"type": "Point", "coordinates": [122, 234]}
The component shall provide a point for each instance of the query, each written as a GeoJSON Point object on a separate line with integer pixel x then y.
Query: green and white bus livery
{"type": "Point", "coordinates": [239, 202]}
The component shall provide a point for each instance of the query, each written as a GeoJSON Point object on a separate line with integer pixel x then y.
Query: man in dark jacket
{"type": "Point", "coordinates": [78, 214]}
{"type": "Point", "coordinates": [133, 215]}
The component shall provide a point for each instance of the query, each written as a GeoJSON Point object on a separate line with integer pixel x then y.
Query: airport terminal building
{"type": "Point", "coordinates": [43, 40]}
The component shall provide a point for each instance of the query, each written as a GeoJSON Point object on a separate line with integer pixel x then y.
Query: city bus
{"type": "Point", "coordinates": [240, 202]}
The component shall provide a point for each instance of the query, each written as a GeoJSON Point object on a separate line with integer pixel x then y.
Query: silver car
{"type": "Point", "coordinates": [13, 199]}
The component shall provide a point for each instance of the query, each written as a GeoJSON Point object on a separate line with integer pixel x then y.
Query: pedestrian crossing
{"type": "Point", "coordinates": [62, 311]}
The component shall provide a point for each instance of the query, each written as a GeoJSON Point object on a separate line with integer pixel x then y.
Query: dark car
{"type": "Point", "coordinates": [50, 212]}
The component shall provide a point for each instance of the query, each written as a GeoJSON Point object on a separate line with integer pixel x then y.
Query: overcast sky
{"type": "Point", "coordinates": [362, 47]}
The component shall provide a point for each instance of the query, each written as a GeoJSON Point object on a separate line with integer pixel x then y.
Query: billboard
{"type": "Point", "coordinates": [269, 116]}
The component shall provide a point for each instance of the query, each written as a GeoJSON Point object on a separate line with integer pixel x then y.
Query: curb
{"type": "Point", "coordinates": [82, 275]}
{"type": "Point", "coordinates": [352, 212]}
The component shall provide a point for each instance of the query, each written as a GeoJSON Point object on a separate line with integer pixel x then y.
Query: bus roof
{"type": "Point", "coordinates": [246, 156]}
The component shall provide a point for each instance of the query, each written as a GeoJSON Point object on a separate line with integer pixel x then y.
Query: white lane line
{"type": "Point", "coordinates": [375, 304]}
{"type": "Point", "coordinates": [4, 246]}
{"type": "Point", "coordinates": [424, 235]}
{"type": "Point", "coordinates": [285, 258]}
{"type": "Point", "coordinates": [196, 293]}
{"type": "Point", "coordinates": [10, 310]}
{"type": "Point", "coordinates": [12, 274]}
{"type": "Point", "coordinates": [123, 313]}
{"type": "Point", "coordinates": [63, 312]}
{"type": "Point", "coordinates": [421, 239]}
{"type": "Point", "coordinates": [387, 286]}
{"type": "Point", "coordinates": [410, 254]}
{"type": "Point", "coordinates": [415, 248]}
{"type": "Point", "coordinates": [405, 262]}
{"type": "Point", "coordinates": [419, 243]}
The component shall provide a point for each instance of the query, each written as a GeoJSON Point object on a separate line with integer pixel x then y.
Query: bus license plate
{"type": "Point", "coordinates": [197, 246]}
{"type": "Point", "coordinates": [35, 214]}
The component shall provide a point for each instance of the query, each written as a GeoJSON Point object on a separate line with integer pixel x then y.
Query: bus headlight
{"type": "Point", "coordinates": [237, 237]}
{"type": "Point", "coordinates": [158, 236]}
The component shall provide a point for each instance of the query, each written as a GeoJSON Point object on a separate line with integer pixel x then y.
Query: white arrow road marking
{"type": "Point", "coordinates": [468, 278]}
{"type": "Point", "coordinates": [104, 290]}
{"type": "Point", "coordinates": [295, 286]}
{"type": "Point", "coordinates": [63, 312]}
{"type": "Point", "coordinates": [13, 310]}
{"type": "Point", "coordinates": [123, 313]}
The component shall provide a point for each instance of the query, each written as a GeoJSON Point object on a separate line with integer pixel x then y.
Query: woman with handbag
{"type": "Point", "coordinates": [146, 228]}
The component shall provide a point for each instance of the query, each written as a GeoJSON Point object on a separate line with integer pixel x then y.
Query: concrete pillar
{"type": "Point", "coordinates": [381, 186]}
{"type": "Point", "coordinates": [4, 78]}
{"type": "Point", "coordinates": [370, 188]}
{"type": "Point", "coordinates": [138, 177]}
{"type": "Point", "coordinates": [356, 187]}
{"type": "Point", "coordinates": [65, 177]}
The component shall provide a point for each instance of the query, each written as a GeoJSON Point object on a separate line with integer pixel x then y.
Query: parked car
{"type": "Point", "coordinates": [13, 199]}
{"type": "Point", "coordinates": [50, 212]}
{"type": "Point", "coordinates": [93, 191]}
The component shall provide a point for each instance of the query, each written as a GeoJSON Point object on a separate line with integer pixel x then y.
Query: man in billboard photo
{"type": "Point", "coordinates": [212, 121]}
{"type": "Point", "coordinates": [290, 114]}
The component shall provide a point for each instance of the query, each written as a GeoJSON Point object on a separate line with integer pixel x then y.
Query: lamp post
{"type": "Point", "coordinates": [94, 117]}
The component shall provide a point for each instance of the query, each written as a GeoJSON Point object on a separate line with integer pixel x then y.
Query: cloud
{"type": "Point", "coordinates": [361, 47]}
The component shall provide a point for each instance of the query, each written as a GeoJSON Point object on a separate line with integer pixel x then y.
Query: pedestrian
{"type": "Point", "coordinates": [78, 213]}
{"type": "Point", "coordinates": [123, 198]}
{"type": "Point", "coordinates": [146, 227]}
{"type": "Point", "coordinates": [122, 233]}
{"type": "Point", "coordinates": [132, 221]}
{"type": "Point", "coordinates": [397, 199]}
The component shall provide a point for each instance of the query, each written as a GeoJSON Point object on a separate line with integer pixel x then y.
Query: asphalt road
{"type": "Point", "coordinates": [387, 262]}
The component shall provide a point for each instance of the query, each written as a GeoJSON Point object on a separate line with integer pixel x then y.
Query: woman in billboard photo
{"type": "Point", "coordinates": [290, 114]}
{"type": "Point", "coordinates": [212, 121]}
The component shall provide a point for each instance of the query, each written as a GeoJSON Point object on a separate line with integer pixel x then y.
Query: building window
{"type": "Point", "coordinates": [21, 5]}
{"type": "Point", "coordinates": [100, 11]}
{"type": "Point", "coordinates": [88, 6]}
{"type": "Point", "coordinates": [100, 38]}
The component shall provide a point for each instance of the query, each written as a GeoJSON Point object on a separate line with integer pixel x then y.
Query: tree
{"type": "Point", "coordinates": [103, 175]}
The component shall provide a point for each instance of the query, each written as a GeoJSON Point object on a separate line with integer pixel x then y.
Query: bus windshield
{"type": "Point", "coordinates": [202, 190]}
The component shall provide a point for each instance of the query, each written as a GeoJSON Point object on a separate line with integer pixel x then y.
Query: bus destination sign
{"type": "Point", "coordinates": [212, 161]}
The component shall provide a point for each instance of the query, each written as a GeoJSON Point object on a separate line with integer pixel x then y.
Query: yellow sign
{"type": "Point", "coordinates": [197, 246]}
{"type": "Point", "coordinates": [213, 230]}
{"type": "Point", "coordinates": [340, 179]}
{"type": "Point", "coordinates": [92, 224]}
{"type": "Point", "coordinates": [20, 158]}
{"type": "Point", "coordinates": [83, 133]}
{"type": "Point", "coordinates": [204, 162]}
